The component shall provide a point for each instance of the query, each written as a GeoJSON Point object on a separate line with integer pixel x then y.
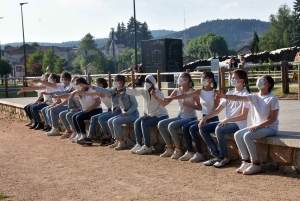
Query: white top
{"type": "Point", "coordinates": [235, 108]}
{"type": "Point", "coordinates": [184, 111]}
{"type": "Point", "coordinates": [50, 90]}
{"type": "Point", "coordinates": [261, 107]}
{"type": "Point", "coordinates": [61, 87]}
{"type": "Point", "coordinates": [87, 101]}
{"type": "Point", "coordinates": [151, 106]}
{"type": "Point", "coordinates": [207, 101]}
{"type": "Point", "coordinates": [106, 101]}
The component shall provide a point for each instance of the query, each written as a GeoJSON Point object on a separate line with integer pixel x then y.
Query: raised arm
{"type": "Point", "coordinates": [160, 101]}
{"type": "Point", "coordinates": [48, 84]}
{"type": "Point", "coordinates": [232, 97]}
{"type": "Point", "coordinates": [30, 89]}
{"type": "Point", "coordinates": [134, 92]}
{"type": "Point", "coordinates": [189, 95]}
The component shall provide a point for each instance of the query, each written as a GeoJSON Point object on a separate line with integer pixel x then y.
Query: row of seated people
{"type": "Point", "coordinates": [73, 101]}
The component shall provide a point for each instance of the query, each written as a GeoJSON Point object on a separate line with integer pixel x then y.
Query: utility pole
{"type": "Point", "coordinates": [135, 42]}
{"type": "Point", "coordinates": [113, 45]}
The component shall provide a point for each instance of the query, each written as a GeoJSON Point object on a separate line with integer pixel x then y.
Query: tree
{"type": "Point", "coordinates": [34, 44]}
{"type": "Point", "coordinates": [295, 37]}
{"type": "Point", "coordinates": [7, 46]}
{"type": "Point", "coordinates": [206, 46]}
{"type": "Point", "coordinates": [87, 43]}
{"type": "Point", "coordinates": [5, 68]}
{"type": "Point", "coordinates": [279, 34]}
{"type": "Point", "coordinates": [34, 63]}
{"type": "Point", "coordinates": [49, 60]}
{"type": "Point", "coordinates": [254, 43]}
{"type": "Point", "coordinates": [59, 65]}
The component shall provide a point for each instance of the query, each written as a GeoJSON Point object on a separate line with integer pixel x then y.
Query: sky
{"type": "Point", "coordinates": [71, 20]}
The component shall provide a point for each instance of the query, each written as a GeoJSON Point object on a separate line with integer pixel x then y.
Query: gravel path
{"type": "Point", "coordinates": [36, 167]}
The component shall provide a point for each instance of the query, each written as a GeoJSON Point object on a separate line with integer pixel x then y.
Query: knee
{"type": "Point", "coordinates": [172, 126]}
{"type": "Point", "coordinates": [247, 136]}
{"type": "Point", "coordinates": [219, 130]}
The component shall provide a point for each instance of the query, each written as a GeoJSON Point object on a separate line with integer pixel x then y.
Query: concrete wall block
{"type": "Point", "coordinates": [262, 152]}
{"type": "Point", "coordinates": [232, 150]}
{"type": "Point", "coordinates": [297, 158]}
{"type": "Point", "coordinates": [153, 135]}
{"type": "Point", "coordinates": [280, 154]}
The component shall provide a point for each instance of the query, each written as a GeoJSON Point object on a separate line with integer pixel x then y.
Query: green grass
{"type": "Point", "coordinates": [3, 197]}
{"type": "Point", "coordinates": [14, 95]}
{"type": "Point", "coordinates": [10, 85]}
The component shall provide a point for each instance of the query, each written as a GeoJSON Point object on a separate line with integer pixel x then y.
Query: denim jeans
{"type": "Point", "coordinates": [103, 120]}
{"type": "Point", "coordinates": [45, 114]}
{"type": "Point", "coordinates": [168, 128]}
{"type": "Point", "coordinates": [54, 114]}
{"type": "Point", "coordinates": [28, 111]}
{"type": "Point", "coordinates": [220, 132]}
{"type": "Point", "coordinates": [79, 118]}
{"type": "Point", "coordinates": [35, 111]}
{"type": "Point", "coordinates": [66, 118]}
{"type": "Point", "coordinates": [142, 128]}
{"type": "Point", "coordinates": [115, 123]}
{"type": "Point", "coordinates": [190, 132]}
{"type": "Point", "coordinates": [94, 120]}
{"type": "Point", "coordinates": [245, 140]}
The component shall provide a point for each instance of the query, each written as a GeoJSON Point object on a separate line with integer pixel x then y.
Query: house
{"type": "Point", "coordinates": [188, 59]}
{"type": "Point", "coordinates": [244, 50]}
{"type": "Point", "coordinates": [5, 54]}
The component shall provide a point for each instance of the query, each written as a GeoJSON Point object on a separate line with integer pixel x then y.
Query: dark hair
{"type": "Point", "coordinates": [121, 78]}
{"type": "Point", "coordinates": [102, 81]}
{"type": "Point", "coordinates": [66, 75]}
{"type": "Point", "coordinates": [54, 76]}
{"type": "Point", "coordinates": [191, 83]}
{"type": "Point", "coordinates": [211, 75]}
{"type": "Point", "coordinates": [235, 63]}
{"type": "Point", "coordinates": [271, 82]}
{"type": "Point", "coordinates": [241, 74]}
{"type": "Point", "coordinates": [81, 80]}
{"type": "Point", "coordinates": [140, 69]}
{"type": "Point", "coordinates": [47, 74]}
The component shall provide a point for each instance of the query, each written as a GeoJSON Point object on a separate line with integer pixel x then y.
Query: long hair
{"type": "Point", "coordinates": [235, 63]}
{"type": "Point", "coordinates": [187, 75]}
{"type": "Point", "coordinates": [271, 82]}
{"type": "Point", "coordinates": [102, 81]}
{"type": "Point", "coordinates": [212, 76]}
{"type": "Point", "coordinates": [81, 80]}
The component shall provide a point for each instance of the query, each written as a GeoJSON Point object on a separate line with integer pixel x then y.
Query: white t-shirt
{"type": "Point", "coordinates": [261, 107]}
{"type": "Point", "coordinates": [87, 101]}
{"type": "Point", "coordinates": [235, 108]}
{"type": "Point", "coordinates": [106, 101]}
{"type": "Point", "coordinates": [207, 101]}
{"type": "Point", "coordinates": [184, 111]}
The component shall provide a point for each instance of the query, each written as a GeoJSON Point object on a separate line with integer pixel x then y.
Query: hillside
{"type": "Point", "coordinates": [161, 32]}
{"type": "Point", "coordinates": [236, 32]}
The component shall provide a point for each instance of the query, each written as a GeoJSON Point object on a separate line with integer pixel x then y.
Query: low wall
{"type": "Point", "coordinates": [281, 151]}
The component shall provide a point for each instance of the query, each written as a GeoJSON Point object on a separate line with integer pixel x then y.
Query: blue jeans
{"type": "Point", "coordinates": [220, 132]}
{"type": "Point", "coordinates": [35, 111]}
{"type": "Point", "coordinates": [45, 114]}
{"type": "Point", "coordinates": [79, 118]}
{"type": "Point", "coordinates": [115, 123]}
{"type": "Point", "coordinates": [94, 120]}
{"type": "Point", "coordinates": [142, 128]}
{"type": "Point", "coordinates": [54, 114]}
{"type": "Point", "coordinates": [168, 128]}
{"type": "Point", "coordinates": [245, 140]}
{"type": "Point", "coordinates": [28, 110]}
{"type": "Point", "coordinates": [190, 132]}
{"type": "Point", "coordinates": [66, 118]}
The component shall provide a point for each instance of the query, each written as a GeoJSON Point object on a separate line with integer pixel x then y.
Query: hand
{"type": "Point", "coordinates": [21, 91]}
{"type": "Point", "coordinates": [72, 94]}
{"type": "Point", "coordinates": [145, 118]}
{"type": "Point", "coordinates": [74, 110]}
{"type": "Point", "coordinates": [86, 111]}
{"type": "Point", "coordinates": [43, 93]}
{"type": "Point", "coordinates": [254, 128]}
{"type": "Point", "coordinates": [219, 95]}
{"type": "Point", "coordinates": [41, 103]}
{"type": "Point", "coordinates": [52, 107]}
{"type": "Point", "coordinates": [123, 115]}
{"type": "Point", "coordinates": [223, 123]}
{"type": "Point", "coordinates": [202, 122]}
{"type": "Point", "coordinates": [153, 93]}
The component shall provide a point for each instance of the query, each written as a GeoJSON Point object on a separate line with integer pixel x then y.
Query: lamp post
{"type": "Point", "coordinates": [24, 40]}
{"type": "Point", "coordinates": [135, 42]}
{"type": "Point", "coordinates": [0, 45]}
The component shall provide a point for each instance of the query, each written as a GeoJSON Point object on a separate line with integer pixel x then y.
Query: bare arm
{"type": "Point", "coordinates": [160, 101]}
{"type": "Point", "coordinates": [48, 84]}
{"type": "Point", "coordinates": [198, 105]}
{"type": "Point", "coordinates": [232, 97]}
{"type": "Point", "coordinates": [272, 119]}
{"type": "Point", "coordinates": [30, 89]}
{"type": "Point", "coordinates": [241, 117]}
{"type": "Point", "coordinates": [189, 95]}
{"type": "Point", "coordinates": [62, 103]}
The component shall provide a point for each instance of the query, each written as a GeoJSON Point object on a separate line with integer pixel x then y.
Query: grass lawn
{"type": "Point", "coordinates": [14, 95]}
{"type": "Point", "coordinates": [2, 197]}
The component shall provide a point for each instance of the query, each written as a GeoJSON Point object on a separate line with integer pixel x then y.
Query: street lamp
{"type": "Point", "coordinates": [135, 42]}
{"type": "Point", "coordinates": [0, 45]}
{"type": "Point", "coordinates": [24, 39]}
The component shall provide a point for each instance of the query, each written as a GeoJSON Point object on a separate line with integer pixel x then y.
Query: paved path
{"type": "Point", "coordinates": [289, 114]}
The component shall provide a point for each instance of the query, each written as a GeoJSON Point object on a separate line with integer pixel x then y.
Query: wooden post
{"type": "Point", "coordinates": [220, 81]}
{"type": "Point", "coordinates": [132, 79]}
{"type": "Point", "coordinates": [89, 79]}
{"type": "Point", "coordinates": [287, 86]}
{"type": "Point", "coordinates": [282, 76]}
{"type": "Point", "coordinates": [223, 80]}
{"type": "Point", "coordinates": [285, 77]}
{"type": "Point", "coordinates": [24, 84]}
{"type": "Point", "coordinates": [6, 86]}
{"type": "Point", "coordinates": [298, 82]}
{"type": "Point", "coordinates": [158, 80]}
{"type": "Point", "coordinates": [109, 80]}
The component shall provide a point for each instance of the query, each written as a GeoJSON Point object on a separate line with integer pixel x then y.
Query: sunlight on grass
{"type": "Point", "coordinates": [14, 95]}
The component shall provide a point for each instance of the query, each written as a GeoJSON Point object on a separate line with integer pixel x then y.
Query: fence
{"type": "Point", "coordinates": [284, 75]}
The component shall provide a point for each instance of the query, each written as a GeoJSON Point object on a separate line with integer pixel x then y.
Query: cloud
{"type": "Point", "coordinates": [231, 5]}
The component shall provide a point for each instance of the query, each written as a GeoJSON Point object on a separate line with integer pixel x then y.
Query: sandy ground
{"type": "Point", "coordinates": [34, 166]}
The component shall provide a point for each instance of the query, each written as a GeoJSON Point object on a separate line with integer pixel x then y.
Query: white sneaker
{"type": "Point", "coordinates": [177, 154]}
{"type": "Point", "coordinates": [52, 129]}
{"type": "Point", "coordinates": [76, 137]}
{"type": "Point", "coordinates": [212, 161]}
{"type": "Point", "coordinates": [135, 148]}
{"type": "Point", "coordinates": [222, 162]}
{"type": "Point", "coordinates": [167, 153]}
{"type": "Point", "coordinates": [252, 169]}
{"type": "Point", "coordinates": [114, 145]}
{"type": "Point", "coordinates": [243, 167]}
{"type": "Point", "coordinates": [54, 132]}
{"type": "Point", "coordinates": [121, 146]}
{"type": "Point", "coordinates": [187, 156]}
{"type": "Point", "coordinates": [197, 157]}
{"type": "Point", "coordinates": [144, 150]}
{"type": "Point", "coordinates": [82, 137]}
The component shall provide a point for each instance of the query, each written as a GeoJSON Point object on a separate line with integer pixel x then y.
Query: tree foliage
{"type": "Point", "coordinates": [127, 58]}
{"type": "Point", "coordinates": [34, 63]}
{"type": "Point", "coordinates": [7, 46]}
{"type": "Point", "coordinates": [34, 44]}
{"type": "Point", "coordinates": [279, 34]}
{"type": "Point", "coordinates": [5, 67]}
{"type": "Point", "coordinates": [254, 43]}
{"type": "Point", "coordinates": [49, 60]}
{"type": "Point", "coordinates": [295, 37]}
{"type": "Point", "coordinates": [59, 65]}
{"type": "Point", "coordinates": [206, 46]}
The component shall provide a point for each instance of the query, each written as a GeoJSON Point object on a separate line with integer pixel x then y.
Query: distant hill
{"type": "Point", "coordinates": [236, 32]}
{"type": "Point", "coordinates": [162, 32]}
